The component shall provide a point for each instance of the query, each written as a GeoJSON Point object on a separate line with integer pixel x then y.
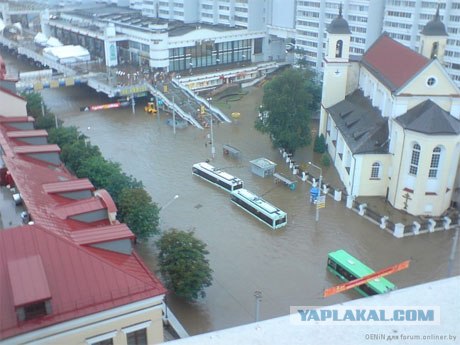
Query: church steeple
{"type": "Point", "coordinates": [338, 42]}
{"type": "Point", "coordinates": [433, 38]}
{"type": "Point", "coordinates": [336, 66]}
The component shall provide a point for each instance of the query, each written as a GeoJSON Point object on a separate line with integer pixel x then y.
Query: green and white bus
{"type": "Point", "coordinates": [348, 268]}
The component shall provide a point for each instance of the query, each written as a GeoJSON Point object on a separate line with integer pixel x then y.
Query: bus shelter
{"type": "Point", "coordinates": [262, 167]}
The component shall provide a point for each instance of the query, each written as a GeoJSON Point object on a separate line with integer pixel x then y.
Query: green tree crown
{"type": "Point", "coordinates": [289, 100]}
{"type": "Point", "coordinates": [183, 264]}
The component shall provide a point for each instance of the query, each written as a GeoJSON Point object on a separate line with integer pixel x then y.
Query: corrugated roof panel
{"type": "Point", "coordinates": [7, 119]}
{"type": "Point", "coordinates": [81, 280]}
{"type": "Point", "coordinates": [68, 186]}
{"type": "Point", "coordinates": [102, 234]}
{"type": "Point", "coordinates": [28, 280]}
{"type": "Point", "coordinates": [27, 134]}
{"type": "Point", "coordinates": [36, 149]}
{"type": "Point", "coordinates": [78, 207]}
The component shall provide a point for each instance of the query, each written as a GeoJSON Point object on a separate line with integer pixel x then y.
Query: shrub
{"type": "Point", "coordinates": [325, 159]}
{"type": "Point", "coordinates": [320, 144]}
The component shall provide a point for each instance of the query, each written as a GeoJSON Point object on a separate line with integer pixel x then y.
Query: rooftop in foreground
{"type": "Point", "coordinates": [281, 331]}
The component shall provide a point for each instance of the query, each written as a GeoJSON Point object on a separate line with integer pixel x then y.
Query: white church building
{"type": "Point", "coordinates": [391, 119]}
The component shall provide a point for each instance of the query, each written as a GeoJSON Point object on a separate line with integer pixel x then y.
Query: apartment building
{"type": "Point", "coordinates": [404, 21]}
{"type": "Point", "coordinates": [312, 18]}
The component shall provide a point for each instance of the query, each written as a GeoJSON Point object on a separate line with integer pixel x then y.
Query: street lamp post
{"type": "Point", "coordinates": [452, 253]}
{"type": "Point", "coordinates": [169, 202]}
{"type": "Point", "coordinates": [319, 188]}
{"type": "Point", "coordinates": [213, 149]}
{"type": "Point", "coordinates": [161, 208]}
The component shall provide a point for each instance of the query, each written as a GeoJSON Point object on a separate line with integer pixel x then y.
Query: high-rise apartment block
{"type": "Point", "coordinates": [305, 22]}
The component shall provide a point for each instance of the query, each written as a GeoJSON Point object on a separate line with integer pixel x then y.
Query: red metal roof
{"type": "Point", "coordinates": [28, 280]}
{"type": "Point", "coordinates": [6, 119]}
{"type": "Point", "coordinates": [107, 199]}
{"type": "Point", "coordinates": [102, 234]}
{"type": "Point", "coordinates": [82, 280]}
{"type": "Point", "coordinates": [27, 134]}
{"type": "Point", "coordinates": [5, 90]}
{"type": "Point", "coordinates": [74, 208]}
{"type": "Point", "coordinates": [68, 186]}
{"type": "Point", "coordinates": [393, 63]}
{"type": "Point", "coordinates": [36, 149]}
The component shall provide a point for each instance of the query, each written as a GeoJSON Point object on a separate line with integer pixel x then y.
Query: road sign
{"type": "Point", "coordinates": [357, 282]}
{"type": "Point", "coordinates": [321, 201]}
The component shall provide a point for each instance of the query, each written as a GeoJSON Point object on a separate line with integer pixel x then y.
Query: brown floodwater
{"type": "Point", "coordinates": [288, 265]}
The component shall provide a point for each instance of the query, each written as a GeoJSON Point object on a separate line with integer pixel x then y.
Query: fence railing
{"type": "Point", "coordinates": [383, 220]}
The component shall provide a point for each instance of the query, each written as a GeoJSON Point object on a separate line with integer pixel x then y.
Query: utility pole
{"type": "Point", "coordinates": [174, 117]}
{"type": "Point", "coordinates": [213, 149]}
{"type": "Point", "coordinates": [133, 103]}
{"type": "Point", "coordinates": [452, 253]}
{"type": "Point", "coordinates": [318, 198]}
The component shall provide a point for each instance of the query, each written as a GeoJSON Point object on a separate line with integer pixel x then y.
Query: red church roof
{"type": "Point", "coordinates": [393, 63]}
{"type": "Point", "coordinates": [81, 279]}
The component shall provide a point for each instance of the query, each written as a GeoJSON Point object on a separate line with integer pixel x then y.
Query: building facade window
{"type": "Point", "coordinates": [104, 342]}
{"type": "Point", "coordinates": [431, 81]}
{"type": "Point", "coordinates": [338, 49]}
{"type": "Point", "coordinates": [375, 171]}
{"type": "Point", "coordinates": [434, 165]}
{"type": "Point", "coordinates": [102, 339]}
{"type": "Point", "coordinates": [415, 157]}
{"type": "Point", "coordinates": [138, 337]}
{"type": "Point", "coordinates": [209, 53]}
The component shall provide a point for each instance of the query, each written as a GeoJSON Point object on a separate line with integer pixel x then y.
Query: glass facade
{"type": "Point", "coordinates": [208, 53]}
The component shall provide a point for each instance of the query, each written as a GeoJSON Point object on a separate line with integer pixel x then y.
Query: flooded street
{"type": "Point", "coordinates": [288, 265]}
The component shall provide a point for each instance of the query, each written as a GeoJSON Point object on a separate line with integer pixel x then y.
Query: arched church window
{"type": "Point", "coordinates": [338, 49]}
{"type": "Point", "coordinates": [375, 171]}
{"type": "Point", "coordinates": [434, 165]}
{"type": "Point", "coordinates": [415, 157]}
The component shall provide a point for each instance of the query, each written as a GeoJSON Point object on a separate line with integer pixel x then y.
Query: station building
{"type": "Point", "coordinates": [120, 35]}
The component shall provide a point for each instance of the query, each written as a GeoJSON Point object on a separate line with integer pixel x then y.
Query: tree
{"type": "Point", "coordinates": [107, 175]}
{"type": "Point", "coordinates": [44, 118]}
{"type": "Point", "coordinates": [320, 144]}
{"type": "Point", "coordinates": [183, 264]}
{"type": "Point", "coordinates": [139, 212]}
{"type": "Point", "coordinates": [288, 101]}
{"type": "Point", "coordinates": [64, 135]}
{"type": "Point", "coordinates": [35, 106]}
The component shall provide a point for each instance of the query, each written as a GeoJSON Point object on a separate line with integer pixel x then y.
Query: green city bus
{"type": "Point", "coordinates": [348, 268]}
